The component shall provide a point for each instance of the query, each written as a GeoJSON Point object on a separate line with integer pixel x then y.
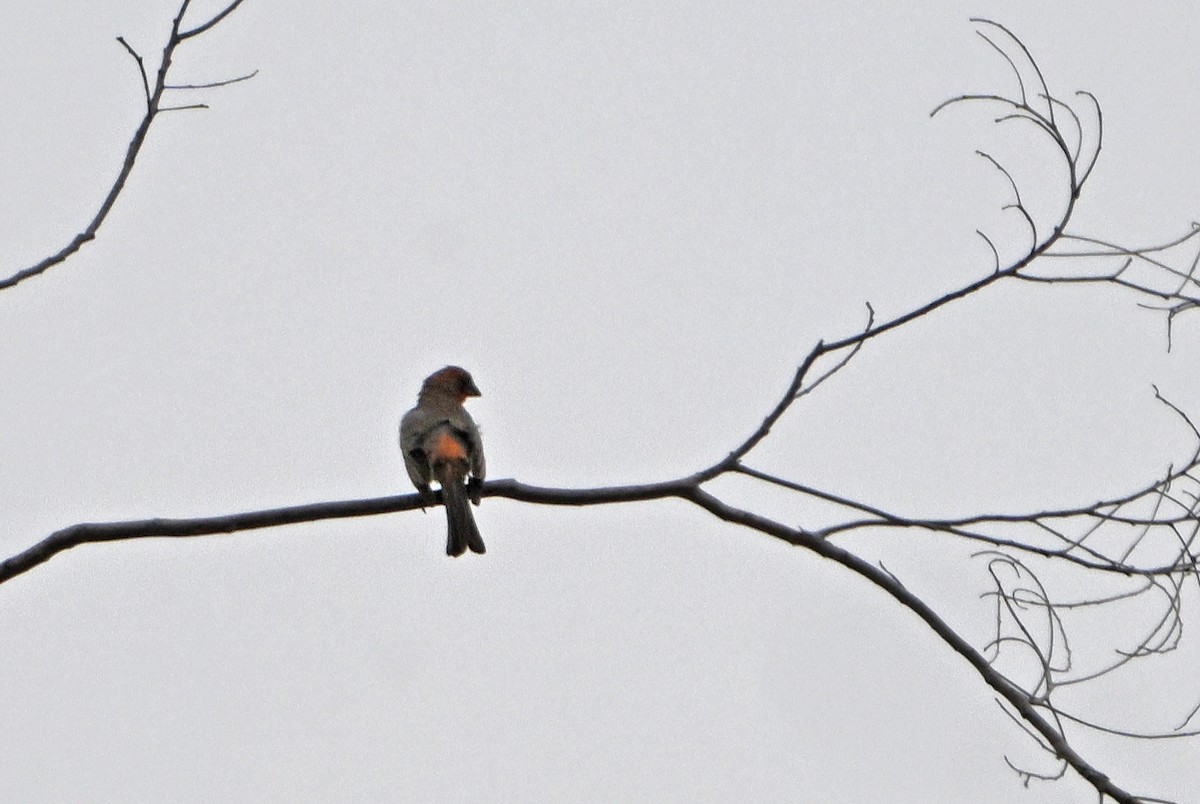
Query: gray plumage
{"type": "Point", "coordinates": [440, 441]}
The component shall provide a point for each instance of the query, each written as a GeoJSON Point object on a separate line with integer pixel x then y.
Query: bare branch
{"type": "Point", "coordinates": [199, 29]}
{"type": "Point", "coordinates": [1018, 205]}
{"type": "Point", "coordinates": [1015, 697]}
{"type": "Point", "coordinates": [97, 532]}
{"type": "Point", "coordinates": [992, 246]}
{"type": "Point", "coordinates": [153, 95]}
{"type": "Point", "coordinates": [1087, 171]}
{"type": "Point", "coordinates": [841, 363]}
{"type": "Point", "coordinates": [214, 84]}
{"type": "Point", "coordinates": [686, 489]}
{"type": "Point", "coordinates": [796, 390]}
{"type": "Point", "coordinates": [1078, 148]}
{"type": "Point", "coordinates": [1045, 92]}
{"type": "Point", "coordinates": [1012, 66]}
{"type": "Point", "coordinates": [141, 68]}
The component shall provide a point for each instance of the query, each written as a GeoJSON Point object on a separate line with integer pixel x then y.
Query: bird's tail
{"type": "Point", "coordinates": [461, 530]}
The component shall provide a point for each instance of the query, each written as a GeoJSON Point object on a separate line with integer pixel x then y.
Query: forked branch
{"type": "Point", "coordinates": [153, 94]}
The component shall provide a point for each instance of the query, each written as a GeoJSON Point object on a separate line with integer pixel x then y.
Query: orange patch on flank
{"type": "Point", "coordinates": [447, 448]}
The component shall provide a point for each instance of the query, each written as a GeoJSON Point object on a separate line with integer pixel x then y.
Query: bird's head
{"type": "Point", "coordinates": [451, 381]}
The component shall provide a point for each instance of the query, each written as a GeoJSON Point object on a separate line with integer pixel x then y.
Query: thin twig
{"type": "Point", "coordinates": [199, 29]}
{"type": "Point", "coordinates": [214, 84]}
{"type": "Point", "coordinates": [141, 68]}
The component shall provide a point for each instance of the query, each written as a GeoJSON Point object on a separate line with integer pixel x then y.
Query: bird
{"type": "Point", "coordinates": [440, 441]}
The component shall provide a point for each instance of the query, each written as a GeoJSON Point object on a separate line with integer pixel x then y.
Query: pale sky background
{"type": "Point", "coordinates": [630, 221]}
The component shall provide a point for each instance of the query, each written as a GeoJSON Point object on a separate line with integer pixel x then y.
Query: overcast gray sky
{"type": "Point", "coordinates": [630, 221]}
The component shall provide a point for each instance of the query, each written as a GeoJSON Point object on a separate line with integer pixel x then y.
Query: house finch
{"type": "Point", "coordinates": [441, 442]}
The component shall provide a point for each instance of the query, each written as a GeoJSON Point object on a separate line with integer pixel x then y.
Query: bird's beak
{"type": "Point", "coordinates": [472, 390]}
